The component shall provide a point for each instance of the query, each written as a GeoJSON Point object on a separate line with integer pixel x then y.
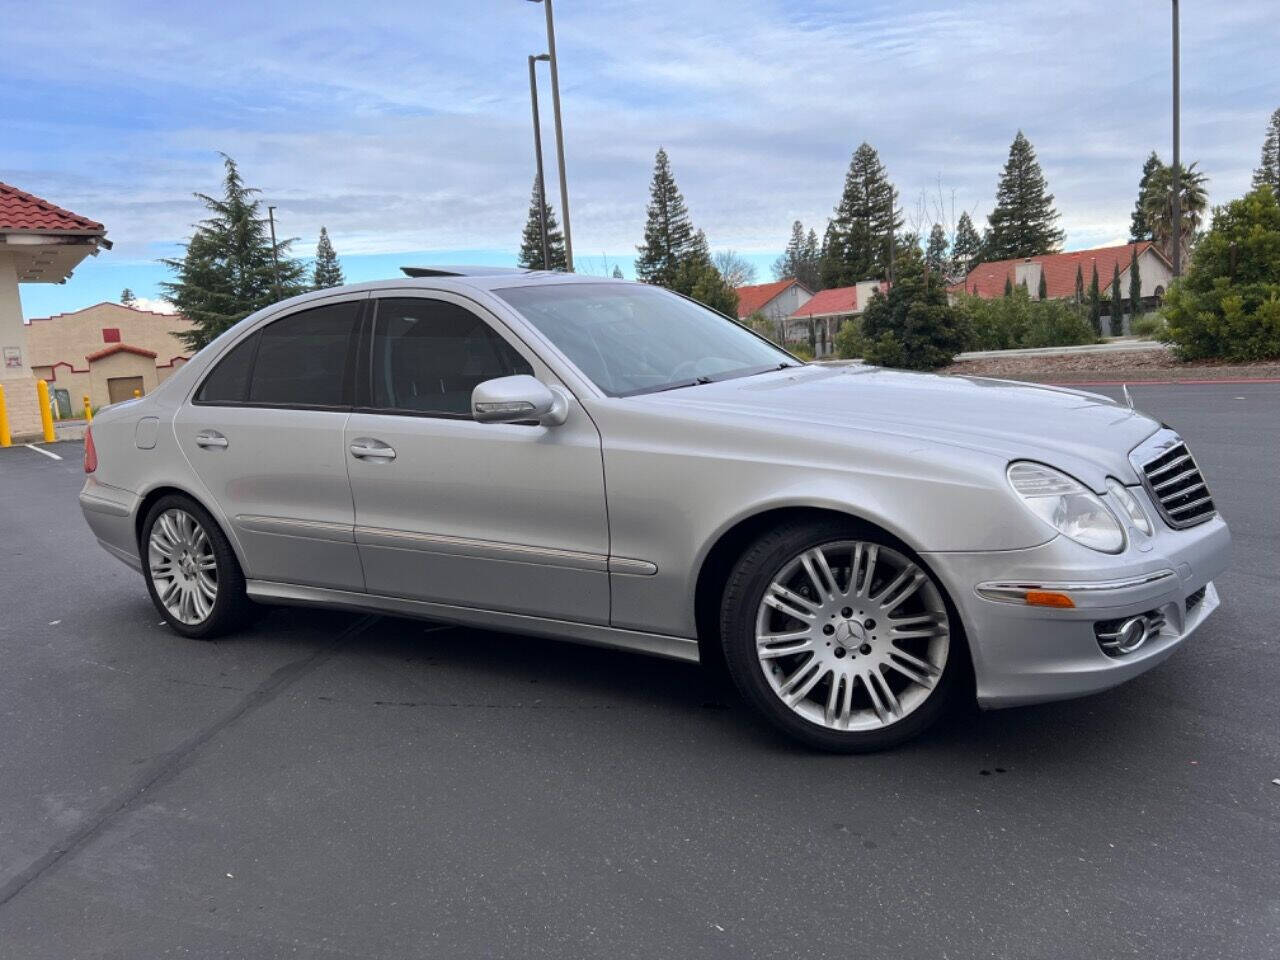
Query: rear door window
{"type": "Point", "coordinates": [304, 358]}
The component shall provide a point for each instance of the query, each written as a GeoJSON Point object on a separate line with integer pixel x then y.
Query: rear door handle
{"type": "Point", "coordinates": [367, 448]}
{"type": "Point", "coordinates": [210, 438]}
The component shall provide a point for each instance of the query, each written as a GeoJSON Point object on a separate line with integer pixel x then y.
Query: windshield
{"type": "Point", "coordinates": [633, 338]}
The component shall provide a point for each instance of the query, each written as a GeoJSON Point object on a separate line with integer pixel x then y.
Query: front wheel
{"type": "Point", "coordinates": [840, 636]}
{"type": "Point", "coordinates": [191, 571]}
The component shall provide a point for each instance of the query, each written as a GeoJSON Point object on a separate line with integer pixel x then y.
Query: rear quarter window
{"type": "Point", "coordinates": [229, 380]}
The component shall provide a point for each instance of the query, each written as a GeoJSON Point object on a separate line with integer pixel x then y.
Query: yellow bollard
{"type": "Point", "coordinates": [88, 410]}
{"type": "Point", "coordinates": [136, 394]}
{"type": "Point", "coordinates": [5, 438]}
{"type": "Point", "coordinates": [46, 415]}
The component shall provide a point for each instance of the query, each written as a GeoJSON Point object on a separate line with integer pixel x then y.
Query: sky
{"type": "Point", "coordinates": [405, 128]}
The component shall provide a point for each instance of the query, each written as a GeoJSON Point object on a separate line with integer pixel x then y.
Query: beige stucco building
{"type": "Point", "coordinates": [106, 351]}
{"type": "Point", "coordinates": [39, 243]}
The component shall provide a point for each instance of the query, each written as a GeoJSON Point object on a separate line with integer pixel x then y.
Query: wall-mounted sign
{"type": "Point", "coordinates": [12, 358]}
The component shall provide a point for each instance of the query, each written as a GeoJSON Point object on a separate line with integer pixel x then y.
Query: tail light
{"type": "Point", "coordinates": [90, 452]}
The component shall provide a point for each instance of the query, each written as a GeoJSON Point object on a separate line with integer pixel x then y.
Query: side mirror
{"type": "Point", "coordinates": [517, 399]}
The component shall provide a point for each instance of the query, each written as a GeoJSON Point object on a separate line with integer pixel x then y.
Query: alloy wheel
{"type": "Point", "coordinates": [183, 567]}
{"type": "Point", "coordinates": [852, 635]}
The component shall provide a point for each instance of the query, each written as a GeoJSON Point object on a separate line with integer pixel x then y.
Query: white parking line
{"type": "Point", "coordinates": [32, 446]}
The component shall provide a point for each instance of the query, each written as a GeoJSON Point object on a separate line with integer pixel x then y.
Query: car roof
{"type": "Point", "coordinates": [451, 278]}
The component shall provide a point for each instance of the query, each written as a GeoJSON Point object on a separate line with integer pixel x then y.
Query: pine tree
{"type": "Point", "coordinates": [327, 271]}
{"type": "Point", "coordinates": [617, 272]}
{"type": "Point", "coordinates": [1079, 285]}
{"type": "Point", "coordinates": [1008, 286]}
{"type": "Point", "coordinates": [935, 253]}
{"type": "Point", "coordinates": [127, 298]}
{"type": "Point", "coordinates": [1268, 172]}
{"type": "Point", "coordinates": [800, 259]}
{"type": "Point", "coordinates": [1095, 302]}
{"type": "Point", "coordinates": [788, 265]}
{"type": "Point", "coordinates": [669, 235]}
{"type": "Point", "coordinates": [865, 222]}
{"type": "Point", "coordinates": [1135, 288]}
{"type": "Point", "coordinates": [531, 240]}
{"type": "Point", "coordinates": [1117, 301]}
{"type": "Point", "coordinates": [227, 271]}
{"type": "Point", "coordinates": [1042, 292]}
{"type": "Point", "coordinates": [1023, 223]}
{"type": "Point", "coordinates": [812, 261]}
{"type": "Point", "coordinates": [1139, 228]}
{"type": "Point", "coordinates": [967, 247]}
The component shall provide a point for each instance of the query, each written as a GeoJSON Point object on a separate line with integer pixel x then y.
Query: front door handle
{"type": "Point", "coordinates": [367, 448]}
{"type": "Point", "coordinates": [210, 438]}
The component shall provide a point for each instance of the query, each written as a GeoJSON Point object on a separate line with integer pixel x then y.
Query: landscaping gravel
{"type": "Point", "coordinates": [1129, 365]}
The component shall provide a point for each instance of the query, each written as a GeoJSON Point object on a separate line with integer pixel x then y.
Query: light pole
{"type": "Point", "coordinates": [537, 150]}
{"type": "Point", "coordinates": [275, 260]}
{"type": "Point", "coordinates": [555, 107]}
{"type": "Point", "coordinates": [1177, 160]}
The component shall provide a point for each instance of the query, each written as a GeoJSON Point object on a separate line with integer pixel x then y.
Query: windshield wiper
{"type": "Point", "coordinates": [749, 372]}
{"type": "Point", "coordinates": [679, 385]}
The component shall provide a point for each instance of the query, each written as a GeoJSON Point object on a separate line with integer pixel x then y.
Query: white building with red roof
{"type": "Point", "coordinates": [773, 301]}
{"type": "Point", "coordinates": [819, 319]}
{"type": "Point", "coordinates": [105, 352]}
{"type": "Point", "coordinates": [1060, 269]}
{"type": "Point", "coordinates": [39, 243]}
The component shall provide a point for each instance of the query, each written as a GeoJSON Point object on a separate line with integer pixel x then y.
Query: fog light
{"type": "Point", "coordinates": [1118, 638]}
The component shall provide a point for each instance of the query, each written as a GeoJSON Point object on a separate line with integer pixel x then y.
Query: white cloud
{"type": "Point", "coordinates": [155, 306]}
{"type": "Point", "coordinates": [401, 128]}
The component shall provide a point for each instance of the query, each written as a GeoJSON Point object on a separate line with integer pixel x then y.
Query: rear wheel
{"type": "Point", "coordinates": [191, 571]}
{"type": "Point", "coordinates": [840, 636]}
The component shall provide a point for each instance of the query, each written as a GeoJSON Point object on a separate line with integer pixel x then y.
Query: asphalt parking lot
{"type": "Point", "coordinates": [327, 785]}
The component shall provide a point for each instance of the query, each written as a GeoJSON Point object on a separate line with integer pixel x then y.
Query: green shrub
{"type": "Point", "coordinates": [885, 351]}
{"type": "Point", "coordinates": [800, 349]}
{"type": "Point", "coordinates": [1150, 326]}
{"type": "Point", "coordinates": [1228, 304]}
{"type": "Point", "coordinates": [913, 326]}
{"type": "Point", "coordinates": [849, 342]}
{"type": "Point", "coordinates": [1005, 323]}
{"type": "Point", "coordinates": [764, 326]}
{"type": "Point", "coordinates": [1055, 323]}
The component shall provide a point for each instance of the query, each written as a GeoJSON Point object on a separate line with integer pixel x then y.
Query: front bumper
{"type": "Point", "coordinates": [1027, 654]}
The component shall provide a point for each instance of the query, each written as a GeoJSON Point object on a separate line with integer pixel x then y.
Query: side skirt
{"type": "Point", "coordinates": [655, 644]}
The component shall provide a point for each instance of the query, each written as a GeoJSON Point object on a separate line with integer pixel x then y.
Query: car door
{"type": "Point", "coordinates": [263, 431]}
{"type": "Point", "coordinates": [497, 516]}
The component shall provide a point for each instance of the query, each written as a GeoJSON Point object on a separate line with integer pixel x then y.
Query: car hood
{"type": "Point", "coordinates": [1083, 433]}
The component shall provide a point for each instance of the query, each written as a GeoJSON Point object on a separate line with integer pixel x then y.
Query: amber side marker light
{"type": "Point", "coordinates": [1049, 598]}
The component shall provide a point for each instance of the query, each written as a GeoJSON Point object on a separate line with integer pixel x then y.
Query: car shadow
{"type": "Point", "coordinates": [624, 681]}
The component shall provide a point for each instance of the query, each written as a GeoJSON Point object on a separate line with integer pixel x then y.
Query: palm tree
{"type": "Point", "coordinates": [1157, 205]}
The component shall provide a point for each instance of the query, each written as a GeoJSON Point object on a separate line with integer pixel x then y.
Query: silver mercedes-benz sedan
{"type": "Point", "coordinates": [610, 463]}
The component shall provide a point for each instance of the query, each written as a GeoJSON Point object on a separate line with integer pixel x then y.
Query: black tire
{"type": "Point", "coordinates": [231, 605]}
{"type": "Point", "coordinates": [744, 592]}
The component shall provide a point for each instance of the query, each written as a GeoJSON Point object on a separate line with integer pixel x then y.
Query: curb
{"type": "Point", "coordinates": [1155, 383]}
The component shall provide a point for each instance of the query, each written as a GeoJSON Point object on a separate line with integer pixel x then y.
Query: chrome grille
{"type": "Point", "coordinates": [1178, 488]}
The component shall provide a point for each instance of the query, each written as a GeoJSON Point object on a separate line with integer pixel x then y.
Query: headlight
{"type": "Point", "coordinates": [1067, 506]}
{"type": "Point", "coordinates": [1129, 503]}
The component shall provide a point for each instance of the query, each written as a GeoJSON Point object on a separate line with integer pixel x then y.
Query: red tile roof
{"type": "Point", "coordinates": [753, 298]}
{"type": "Point", "coordinates": [22, 212]}
{"type": "Point", "coordinates": [120, 348]}
{"type": "Point", "coordinates": [987, 279]}
{"type": "Point", "coordinates": [836, 301]}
